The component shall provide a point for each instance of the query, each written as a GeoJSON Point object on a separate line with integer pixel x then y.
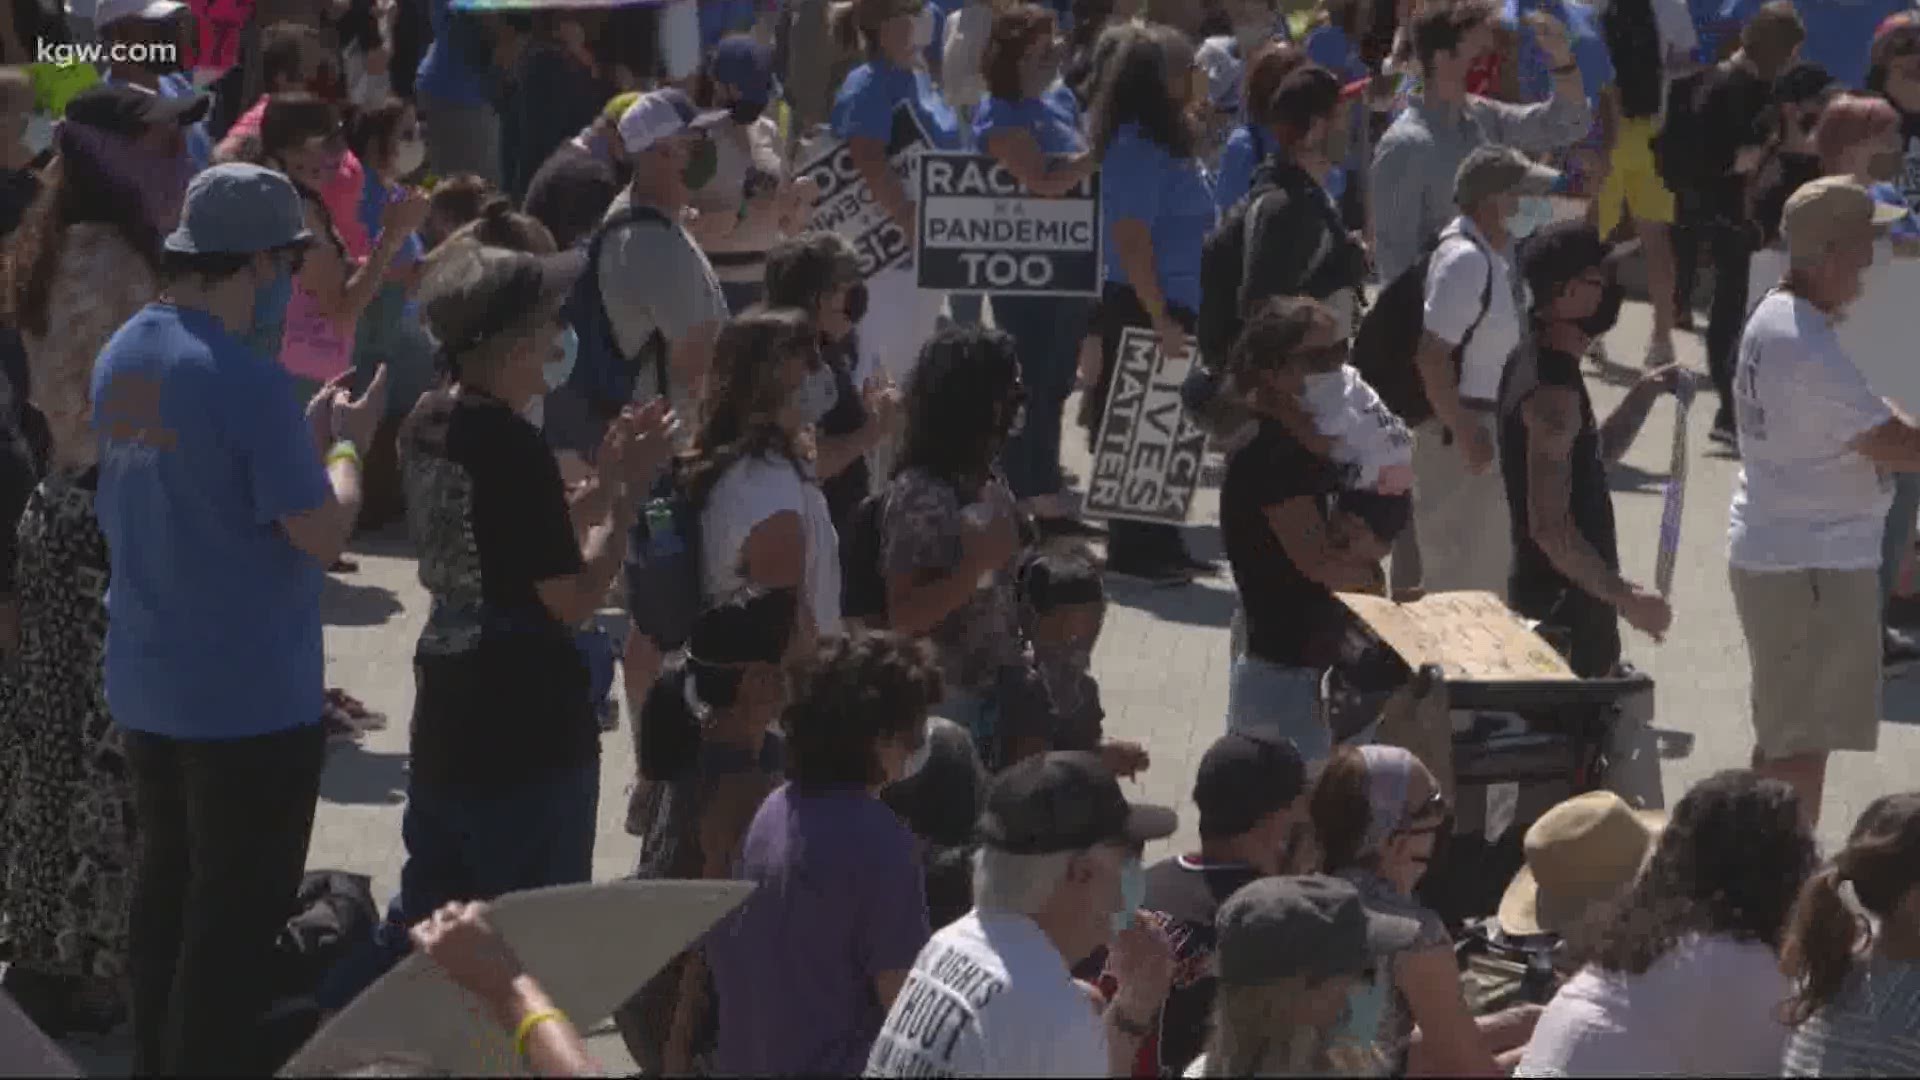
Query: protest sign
{"type": "Point", "coordinates": [981, 231]}
{"type": "Point", "coordinates": [846, 205]}
{"type": "Point", "coordinates": [1471, 636]}
{"type": "Point", "coordinates": [1146, 462]}
{"type": "Point", "coordinates": [217, 44]}
{"type": "Point", "coordinates": [1675, 503]}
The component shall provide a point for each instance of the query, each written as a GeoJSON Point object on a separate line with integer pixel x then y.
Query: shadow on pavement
{"type": "Point", "coordinates": [364, 777]}
{"type": "Point", "coordinates": [1198, 604]}
{"type": "Point", "coordinates": [1900, 697]}
{"type": "Point", "coordinates": [343, 602]}
{"type": "Point", "coordinates": [1625, 479]}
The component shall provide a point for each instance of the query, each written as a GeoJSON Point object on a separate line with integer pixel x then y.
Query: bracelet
{"type": "Point", "coordinates": [533, 1020]}
{"type": "Point", "coordinates": [343, 450]}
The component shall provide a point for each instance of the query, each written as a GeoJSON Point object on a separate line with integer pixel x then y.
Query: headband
{"type": "Point", "coordinates": [1389, 775]}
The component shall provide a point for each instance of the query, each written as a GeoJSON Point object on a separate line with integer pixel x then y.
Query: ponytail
{"type": "Point", "coordinates": [1823, 936]}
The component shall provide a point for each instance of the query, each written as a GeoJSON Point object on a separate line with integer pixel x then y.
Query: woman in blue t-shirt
{"type": "Point", "coordinates": [1034, 134]}
{"type": "Point", "coordinates": [1156, 210]}
{"type": "Point", "coordinates": [1251, 142]}
{"type": "Point", "coordinates": [452, 88]}
{"type": "Point", "coordinates": [871, 112]}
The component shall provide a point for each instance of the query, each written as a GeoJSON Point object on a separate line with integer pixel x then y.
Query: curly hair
{"type": "Point", "coordinates": [1730, 861]}
{"type": "Point", "coordinates": [78, 190]}
{"type": "Point", "coordinates": [500, 225]}
{"type": "Point", "coordinates": [751, 626]}
{"type": "Point", "coordinates": [1882, 862]}
{"type": "Point", "coordinates": [739, 416]}
{"type": "Point", "coordinates": [1273, 333]}
{"type": "Point", "coordinates": [371, 131]}
{"type": "Point", "coordinates": [859, 690]}
{"type": "Point", "coordinates": [957, 404]}
{"type": "Point", "coordinates": [1133, 90]}
{"type": "Point", "coordinates": [1014, 32]}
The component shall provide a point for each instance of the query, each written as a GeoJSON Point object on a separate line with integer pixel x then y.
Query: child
{"type": "Point", "coordinates": [1374, 451]}
{"type": "Point", "coordinates": [1062, 606]}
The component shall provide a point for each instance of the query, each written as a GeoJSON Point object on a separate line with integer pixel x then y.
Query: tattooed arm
{"type": "Point", "coordinates": [1303, 534]}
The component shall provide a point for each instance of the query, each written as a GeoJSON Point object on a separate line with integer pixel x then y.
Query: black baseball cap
{"type": "Point", "coordinates": [1311, 925]}
{"type": "Point", "coordinates": [1242, 779]}
{"type": "Point", "coordinates": [1065, 801]}
{"type": "Point", "coordinates": [127, 111]}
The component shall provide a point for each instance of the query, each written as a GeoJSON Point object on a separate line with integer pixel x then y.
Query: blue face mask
{"type": "Point", "coordinates": [557, 371]}
{"type": "Point", "coordinates": [1133, 893]}
{"type": "Point", "coordinates": [270, 300]}
{"type": "Point", "coordinates": [1534, 213]}
{"type": "Point", "coordinates": [1360, 1027]}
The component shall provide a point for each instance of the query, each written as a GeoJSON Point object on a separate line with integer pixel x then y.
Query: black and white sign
{"type": "Point", "coordinates": [980, 231]}
{"type": "Point", "coordinates": [1146, 463]}
{"type": "Point", "coordinates": [847, 206]}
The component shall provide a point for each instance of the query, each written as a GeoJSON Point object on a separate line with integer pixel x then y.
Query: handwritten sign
{"type": "Point", "coordinates": [1470, 635]}
{"type": "Point", "coordinates": [1146, 462]}
{"type": "Point", "coordinates": [846, 205]}
{"type": "Point", "coordinates": [981, 231]}
{"type": "Point", "coordinates": [217, 42]}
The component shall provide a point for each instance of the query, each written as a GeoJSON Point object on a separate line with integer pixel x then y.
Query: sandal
{"type": "Point", "coordinates": [354, 712]}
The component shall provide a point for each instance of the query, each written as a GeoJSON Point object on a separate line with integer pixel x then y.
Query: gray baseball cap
{"type": "Point", "coordinates": [1312, 925]}
{"type": "Point", "coordinates": [239, 209]}
{"type": "Point", "coordinates": [1499, 170]}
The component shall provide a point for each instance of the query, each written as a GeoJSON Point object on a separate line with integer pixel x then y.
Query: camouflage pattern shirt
{"type": "Point", "coordinates": [920, 534]}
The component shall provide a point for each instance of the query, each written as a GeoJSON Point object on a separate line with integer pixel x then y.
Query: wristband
{"type": "Point", "coordinates": [343, 450]}
{"type": "Point", "coordinates": [525, 1030]}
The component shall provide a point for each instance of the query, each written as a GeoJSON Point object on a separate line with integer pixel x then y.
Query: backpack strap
{"type": "Point", "coordinates": [627, 216]}
{"type": "Point", "coordinates": [1486, 291]}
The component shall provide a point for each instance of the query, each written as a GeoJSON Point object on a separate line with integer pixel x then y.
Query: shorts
{"type": "Point", "coordinates": [1813, 638]}
{"type": "Point", "coordinates": [1633, 181]}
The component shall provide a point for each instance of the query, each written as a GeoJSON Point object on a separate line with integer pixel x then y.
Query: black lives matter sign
{"type": "Point", "coordinates": [1146, 462]}
{"type": "Point", "coordinates": [980, 231]}
{"type": "Point", "coordinates": [846, 205]}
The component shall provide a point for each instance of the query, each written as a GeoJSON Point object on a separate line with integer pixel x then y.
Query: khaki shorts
{"type": "Point", "coordinates": [1813, 638]}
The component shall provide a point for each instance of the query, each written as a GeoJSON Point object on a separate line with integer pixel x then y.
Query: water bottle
{"type": "Point", "coordinates": [978, 517]}
{"type": "Point", "coordinates": [663, 540]}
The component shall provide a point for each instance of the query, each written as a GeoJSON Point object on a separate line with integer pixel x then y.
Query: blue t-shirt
{"type": "Point", "coordinates": [447, 71]}
{"type": "Point", "coordinates": [718, 18]}
{"type": "Point", "coordinates": [866, 102]}
{"type": "Point", "coordinates": [1583, 33]}
{"type": "Point", "coordinates": [1053, 122]}
{"type": "Point", "coordinates": [176, 85]}
{"type": "Point", "coordinates": [1246, 148]}
{"type": "Point", "coordinates": [1331, 48]}
{"type": "Point", "coordinates": [1141, 181]}
{"type": "Point", "coordinates": [1839, 32]}
{"type": "Point", "coordinates": [213, 627]}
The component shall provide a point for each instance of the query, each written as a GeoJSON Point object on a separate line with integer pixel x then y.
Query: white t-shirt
{"type": "Point", "coordinates": [1456, 280]}
{"type": "Point", "coordinates": [1804, 500]}
{"type": "Point", "coordinates": [1371, 445]}
{"type": "Point", "coordinates": [1707, 1008]}
{"type": "Point", "coordinates": [751, 491]}
{"type": "Point", "coordinates": [679, 30]}
{"type": "Point", "coordinates": [991, 996]}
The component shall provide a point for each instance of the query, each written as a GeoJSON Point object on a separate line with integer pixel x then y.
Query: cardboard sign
{"type": "Point", "coordinates": [980, 231]}
{"type": "Point", "coordinates": [217, 42]}
{"type": "Point", "coordinates": [1471, 635]}
{"type": "Point", "coordinates": [1146, 462]}
{"type": "Point", "coordinates": [846, 204]}
{"type": "Point", "coordinates": [1676, 495]}
{"type": "Point", "coordinates": [590, 947]}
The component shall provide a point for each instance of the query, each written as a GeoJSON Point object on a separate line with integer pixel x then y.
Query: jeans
{"type": "Point", "coordinates": [1276, 701]}
{"type": "Point", "coordinates": [224, 826]}
{"type": "Point", "coordinates": [1047, 332]}
{"type": "Point", "coordinates": [1898, 535]}
{"type": "Point", "coordinates": [479, 844]}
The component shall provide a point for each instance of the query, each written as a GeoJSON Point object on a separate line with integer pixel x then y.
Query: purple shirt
{"type": "Point", "coordinates": [841, 898]}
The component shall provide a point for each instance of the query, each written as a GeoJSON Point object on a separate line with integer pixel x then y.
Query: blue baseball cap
{"type": "Point", "coordinates": [746, 65]}
{"type": "Point", "coordinates": [239, 209]}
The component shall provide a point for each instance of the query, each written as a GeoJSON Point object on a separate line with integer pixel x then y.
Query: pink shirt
{"type": "Point", "coordinates": [341, 195]}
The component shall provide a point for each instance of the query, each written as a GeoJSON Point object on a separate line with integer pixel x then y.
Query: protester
{"type": "Point", "coordinates": [1250, 144]}
{"type": "Point", "coordinates": [1810, 504]}
{"type": "Point", "coordinates": [571, 190]}
{"type": "Point", "coordinates": [463, 128]}
{"type": "Point", "coordinates": [1895, 72]}
{"type": "Point", "coordinates": [1287, 562]}
{"type": "Point", "coordinates": [1800, 95]}
{"type": "Point", "coordinates": [138, 35]}
{"type": "Point", "coordinates": [455, 201]}
{"type": "Point", "coordinates": [1057, 877]}
{"type": "Point", "coordinates": [1297, 979]}
{"type": "Point", "coordinates": [1850, 1004]}
{"type": "Point", "coordinates": [949, 533]}
{"type": "Point", "coordinates": [1555, 454]}
{"type": "Point", "coordinates": [1251, 794]}
{"type": "Point", "coordinates": [1034, 133]}
{"type": "Point", "coordinates": [939, 800]}
{"type": "Point", "coordinates": [551, 92]}
{"type": "Point", "coordinates": [1680, 977]}
{"type": "Point", "coordinates": [838, 911]}
{"type": "Point", "coordinates": [1063, 604]}
{"type": "Point", "coordinates": [763, 518]}
{"type": "Point", "coordinates": [868, 112]}
{"type": "Point", "coordinates": [219, 517]}
{"type": "Point", "coordinates": [1632, 186]}
{"type": "Point", "coordinates": [1156, 210]}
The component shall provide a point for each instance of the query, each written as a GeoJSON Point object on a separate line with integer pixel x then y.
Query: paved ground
{"type": "Point", "coordinates": [1162, 667]}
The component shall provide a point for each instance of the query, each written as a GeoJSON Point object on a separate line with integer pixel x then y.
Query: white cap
{"type": "Point", "coordinates": [108, 12]}
{"type": "Point", "coordinates": [652, 118]}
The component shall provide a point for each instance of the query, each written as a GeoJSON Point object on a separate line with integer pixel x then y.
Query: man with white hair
{"type": "Point", "coordinates": [1057, 877]}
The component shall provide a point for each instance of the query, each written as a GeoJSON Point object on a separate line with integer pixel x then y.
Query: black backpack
{"type": "Point", "coordinates": [1227, 259]}
{"type": "Point", "coordinates": [1676, 146]}
{"type": "Point", "coordinates": [1388, 338]}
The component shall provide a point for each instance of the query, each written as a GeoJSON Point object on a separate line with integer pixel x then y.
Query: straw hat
{"type": "Point", "coordinates": [1582, 852]}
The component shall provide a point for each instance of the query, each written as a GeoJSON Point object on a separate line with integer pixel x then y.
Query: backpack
{"type": "Point", "coordinates": [1676, 146]}
{"type": "Point", "coordinates": [1227, 259]}
{"type": "Point", "coordinates": [1388, 337]}
{"type": "Point", "coordinates": [1498, 972]}
{"type": "Point", "coordinates": [602, 375]}
{"type": "Point", "coordinates": [665, 589]}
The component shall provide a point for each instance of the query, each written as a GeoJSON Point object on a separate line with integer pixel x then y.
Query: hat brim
{"type": "Point", "coordinates": [1885, 214]}
{"type": "Point", "coordinates": [181, 110]}
{"type": "Point", "coordinates": [1525, 911]}
{"type": "Point", "coordinates": [558, 274]}
{"type": "Point", "coordinates": [1537, 180]}
{"type": "Point", "coordinates": [1146, 821]}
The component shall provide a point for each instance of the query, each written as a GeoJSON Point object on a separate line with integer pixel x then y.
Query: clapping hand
{"type": "Point", "coordinates": [883, 402]}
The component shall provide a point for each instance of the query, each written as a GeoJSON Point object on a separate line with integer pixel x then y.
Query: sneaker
{"type": "Point", "coordinates": [1724, 434]}
{"type": "Point", "coordinates": [1897, 647]}
{"type": "Point", "coordinates": [1659, 355]}
{"type": "Point", "coordinates": [354, 712]}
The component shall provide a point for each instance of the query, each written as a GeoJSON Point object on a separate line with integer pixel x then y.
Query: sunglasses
{"type": "Point", "coordinates": [1436, 808]}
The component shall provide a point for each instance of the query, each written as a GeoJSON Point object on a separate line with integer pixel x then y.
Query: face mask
{"type": "Point", "coordinates": [923, 28]}
{"type": "Point", "coordinates": [409, 156]}
{"type": "Point", "coordinates": [1360, 1027]}
{"type": "Point", "coordinates": [1606, 312]}
{"type": "Point", "coordinates": [857, 299]}
{"type": "Point", "coordinates": [703, 160]}
{"type": "Point", "coordinates": [557, 371]}
{"type": "Point", "coordinates": [270, 300]}
{"type": "Point", "coordinates": [1534, 211]}
{"type": "Point", "coordinates": [1133, 893]}
{"type": "Point", "coordinates": [39, 133]}
{"type": "Point", "coordinates": [1071, 656]}
{"type": "Point", "coordinates": [1323, 393]}
{"type": "Point", "coordinates": [1886, 167]}
{"type": "Point", "coordinates": [817, 396]}
{"type": "Point", "coordinates": [746, 112]}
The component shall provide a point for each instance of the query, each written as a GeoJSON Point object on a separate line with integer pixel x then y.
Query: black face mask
{"type": "Point", "coordinates": [857, 302]}
{"type": "Point", "coordinates": [1606, 312]}
{"type": "Point", "coordinates": [746, 112]}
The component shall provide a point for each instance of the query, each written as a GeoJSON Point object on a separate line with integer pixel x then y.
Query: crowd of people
{"type": "Point", "coordinates": [545, 287]}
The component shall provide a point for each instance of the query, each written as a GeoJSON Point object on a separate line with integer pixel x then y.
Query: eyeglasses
{"type": "Point", "coordinates": [1436, 808]}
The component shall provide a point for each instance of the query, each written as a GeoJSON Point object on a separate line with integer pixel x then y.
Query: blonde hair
{"type": "Point", "coordinates": [1258, 1031]}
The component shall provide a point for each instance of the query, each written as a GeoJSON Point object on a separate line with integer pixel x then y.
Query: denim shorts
{"type": "Point", "coordinates": [1275, 701]}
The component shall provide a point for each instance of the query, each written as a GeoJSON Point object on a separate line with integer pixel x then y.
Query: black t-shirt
{"type": "Point", "coordinates": [1633, 43]}
{"type": "Point", "coordinates": [1186, 894]}
{"type": "Point", "coordinates": [844, 490]}
{"type": "Point", "coordinates": [1591, 502]}
{"type": "Point", "coordinates": [1779, 177]}
{"type": "Point", "coordinates": [1291, 619]}
{"type": "Point", "coordinates": [1732, 110]}
{"type": "Point", "coordinates": [17, 189]}
{"type": "Point", "coordinates": [570, 193]}
{"type": "Point", "coordinates": [502, 693]}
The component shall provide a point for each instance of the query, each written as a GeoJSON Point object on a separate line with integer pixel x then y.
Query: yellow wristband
{"type": "Point", "coordinates": [525, 1030]}
{"type": "Point", "coordinates": [344, 450]}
